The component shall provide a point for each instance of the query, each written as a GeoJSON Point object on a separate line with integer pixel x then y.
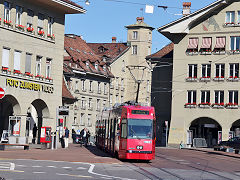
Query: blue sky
{"type": "Point", "coordinates": [107, 18]}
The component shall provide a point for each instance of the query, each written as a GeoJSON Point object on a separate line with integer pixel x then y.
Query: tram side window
{"type": "Point", "coordinates": [124, 129]}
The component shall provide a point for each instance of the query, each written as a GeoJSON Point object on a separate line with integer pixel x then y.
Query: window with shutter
{"type": "Point", "coordinates": [28, 63]}
{"type": "Point", "coordinates": [5, 57]}
{"type": "Point", "coordinates": [17, 60]}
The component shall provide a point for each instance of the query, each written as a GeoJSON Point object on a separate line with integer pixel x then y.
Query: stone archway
{"type": "Point", "coordinates": [236, 128]}
{"type": "Point", "coordinates": [42, 111]}
{"type": "Point", "coordinates": [9, 106]}
{"type": "Point", "coordinates": [207, 128]}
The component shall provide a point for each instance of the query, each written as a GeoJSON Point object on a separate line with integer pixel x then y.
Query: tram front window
{"type": "Point", "coordinates": [140, 128]}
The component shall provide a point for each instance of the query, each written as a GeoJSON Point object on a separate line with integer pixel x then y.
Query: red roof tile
{"type": "Point", "coordinates": [80, 53]}
{"type": "Point", "coordinates": [164, 51]}
{"type": "Point", "coordinates": [65, 92]}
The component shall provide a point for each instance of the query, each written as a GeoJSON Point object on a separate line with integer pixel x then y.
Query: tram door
{"type": "Point", "coordinates": [123, 139]}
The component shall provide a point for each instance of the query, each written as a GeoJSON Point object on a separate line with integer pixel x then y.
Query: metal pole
{"type": "Point", "coordinates": [167, 135]}
{"type": "Point", "coordinates": [138, 91]}
{"type": "Point", "coordinates": [56, 139]}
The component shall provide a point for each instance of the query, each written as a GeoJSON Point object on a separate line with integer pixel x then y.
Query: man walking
{"type": "Point", "coordinates": [34, 133]}
{"type": "Point", "coordinates": [83, 134]}
{"type": "Point", "coordinates": [66, 137]}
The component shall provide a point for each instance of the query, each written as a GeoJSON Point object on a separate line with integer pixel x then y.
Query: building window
{"type": "Point", "coordinates": [233, 97]}
{"type": "Point", "coordinates": [234, 70]}
{"type": "Point", "coordinates": [99, 87]}
{"type": "Point", "coordinates": [18, 15]}
{"type": "Point", "coordinates": [40, 22]}
{"type": "Point", "coordinates": [105, 88]}
{"type": "Point", "coordinates": [83, 85]}
{"type": "Point", "coordinates": [98, 104]}
{"type": "Point", "coordinates": [121, 100]}
{"type": "Point", "coordinates": [235, 43]}
{"type": "Point", "coordinates": [238, 17]}
{"type": "Point", "coordinates": [192, 97]}
{"type": "Point", "coordinates": [50, 26]}
{"type": "Point", "coordinates": [87, 64]}
{"type": "Point", "coordinates": [17, 60]}
{"type": "Point", "coordinates": [48, 67]}
{"type": "Point", "coordinates": [220, 44]}
{"type": "Point", "coordinates": [219, 97]}
{"type": "Point", "coordinates": [75, 120]}
{"type": "Point", "coordinates": [206, 44]}
{"type": "Point", "coordinates": [192, 45]}
{"type": "Point", "coordinates": [230, 17]}
{"type": "Point", "coordinates": [90, 103]}
{"type": "Point", "coordinates": [89, 120]}
{"type": "Point", "coordinates": [76, 86]}
{"type": "Point", "coordinates": [38, 65]}
{"type": "Point", "coordinates": [83, 103]}
{"type": "Point", "coordinates": [123, 66]}
{"type": "Point", "coordinates": [30, 18]}
{"type": "Point", "coordinates": [206, 70]}
{"type": "Point", "coordinates": [110, 99]}
{"type": "Point", "coordinates": [192, 70]}
{"type": "Point", "coordinates": [5, 57]}
{"type": "Point", "coordinates": [104, 68]}
{"type": "Point", "coordinates": [28, 63]}
{"type": "Point", "coordinates": [134, 49]}
{"type": "Point", "coordinates": [104, 103]}
{"type": "Point", "coordinates": [117, 99]}
{"type": "Point", "coordinates": [117, 85]}
{"type": "Point", "coordinates": [90, 86]}
{"type": "Point", "coordinates": [7, 9]}
{"type": "Point", "coordinates": [122, 83]}
{"type": "Point", "coordinates": [82, 119]}
{"type": "Point", "coordinates": [205, 96]}
{"type": "Point", "coordinates": [220, 70]}
{"type": "Point", "coordinates": [135, 34]}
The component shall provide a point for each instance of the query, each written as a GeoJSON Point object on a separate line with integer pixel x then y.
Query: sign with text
{"type": "Point", "coordinates": [63, 110]}
{"type": "Point", "coordinates": [14, 125]}
{"type": "Point", "coordinates": [29, 85]}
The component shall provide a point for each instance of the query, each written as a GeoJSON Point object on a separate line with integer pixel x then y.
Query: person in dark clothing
{"type": "Point", "coordinates": [66, 137]}
{"type": "Point", "coordinates": [34, 133]}
{"type": "Point", "coordinates": [83, 135]}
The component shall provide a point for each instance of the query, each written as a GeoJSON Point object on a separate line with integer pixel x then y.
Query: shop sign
{"type": "Point", "coordinates": [29, 85]}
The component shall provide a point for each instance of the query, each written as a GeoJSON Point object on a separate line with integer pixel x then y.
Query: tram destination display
{"type": "Point", "coordinates": [140, 112]}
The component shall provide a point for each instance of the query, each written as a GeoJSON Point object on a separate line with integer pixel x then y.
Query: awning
{"type": "Point", "coordinates": [220, 42]}
{"type": "Point", "coordinates": [193, 43]}
{"type": "Point", "coordinates": [206, 42]}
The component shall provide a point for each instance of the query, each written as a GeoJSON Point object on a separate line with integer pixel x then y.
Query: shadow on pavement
{"type": "Point", "coordinates": [97, 152]}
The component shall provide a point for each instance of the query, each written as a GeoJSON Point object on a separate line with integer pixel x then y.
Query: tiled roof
{"type": "Point", "coordinates": [140, 23]}
{"type": "Point", "coordinates": [65, 92]}
{"type": "Point", "coordinates": [80, 54]}
{"type": "Point", "coordinates": [163, 52]}
{"type": "Point", "coordinates": [109, 50]}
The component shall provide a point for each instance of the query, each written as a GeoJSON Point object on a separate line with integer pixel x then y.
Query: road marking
{"type": "Point", "coordinates": [66, 167]}
{"type": "Point", "coordinates": [21, 165]}
{"type": "Point", "coordinates": [81, 168]}
{"type": "Point", "coordinates": [105, 178]}
{"type": "Point", "coordinates": [10, 170]}
{"type": "Point", "coordinates": [36, 166]}
{"type": "Point", "coordinates": [62, 174]}
{"type": "Point", "coordinates": [80, 176]}
{"type": "Point", "coordinates": [52, 166]}
{"type": "Point", "coordinates": [7, 165]}
{"type": "Point", "coordinates": [39, 172]}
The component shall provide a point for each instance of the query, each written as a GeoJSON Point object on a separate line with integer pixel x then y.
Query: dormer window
{"type": "Point", "coordinates": [104, 68]}
{"type": "Point", "coordinates": [230, 17]}
{"type": "Point", "coordinates": [101, 49]}
{"type": "Point", "coordinates": [96, 66]}
{"type": "Point", "coordinates": [87, 64]}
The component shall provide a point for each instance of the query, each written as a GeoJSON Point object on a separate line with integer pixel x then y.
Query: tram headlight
{"type": "Point", "coordinates": [130, 151]}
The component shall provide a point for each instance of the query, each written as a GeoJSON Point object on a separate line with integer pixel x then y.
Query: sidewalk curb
{"type": "Point", "coordinates": [237, 156]}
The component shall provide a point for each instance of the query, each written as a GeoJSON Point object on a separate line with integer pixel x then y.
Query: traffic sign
{"type": "Point", "coordinates": [63, 110]}
{"type": "Point", "coordinates": [2, 93]}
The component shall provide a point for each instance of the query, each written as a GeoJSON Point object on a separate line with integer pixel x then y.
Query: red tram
{"type": "Point", "coordinates": [128, 132]}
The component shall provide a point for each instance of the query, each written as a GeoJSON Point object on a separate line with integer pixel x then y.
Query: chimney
{"type": "Point", "coordinates": [140, 19]}
{"type": "Point", "coordinates": [114, 39]}
{"type": "Point", "coordinates": [186, 8]}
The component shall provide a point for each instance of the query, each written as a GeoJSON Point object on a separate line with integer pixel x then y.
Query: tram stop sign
{"type": "Point", "coordinates": [2, 93]}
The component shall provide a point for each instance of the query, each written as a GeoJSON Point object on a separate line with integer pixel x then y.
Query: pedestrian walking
{"type": "Point", "coordinates": [34, 133]}
{"type": "Point", "coordinates": [83, 135]}
{"type": "Point", "coordinates": [66, 137]}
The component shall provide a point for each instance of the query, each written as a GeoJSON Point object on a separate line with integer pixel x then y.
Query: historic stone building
{"type": "Point", "coordinates": [87, 77]}
{"type": "Point", "coordinates": [128, 64]}
{"type": "Point", "coordinates": [32, 38]}
{"type": "Point", "coordinates": [205, 91]}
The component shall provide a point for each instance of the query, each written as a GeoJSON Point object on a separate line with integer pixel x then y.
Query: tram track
{"type": "Point", "coordinates": [158, 155]}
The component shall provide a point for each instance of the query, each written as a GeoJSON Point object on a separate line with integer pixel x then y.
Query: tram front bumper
{"type": "Point", "coordinates": [142, 155]}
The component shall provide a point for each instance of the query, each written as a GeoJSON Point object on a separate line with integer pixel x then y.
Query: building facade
{"type": "Point", "coordinates": [161, 90]}
{"type": "Point", "coordinates": [128, 64]}
{"type": "Point", "coordinates": [32, 36]}
{"type": "Point", "coordinates": [87, 77]}
{"type": "Point", "coordinates": [205, 91]}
